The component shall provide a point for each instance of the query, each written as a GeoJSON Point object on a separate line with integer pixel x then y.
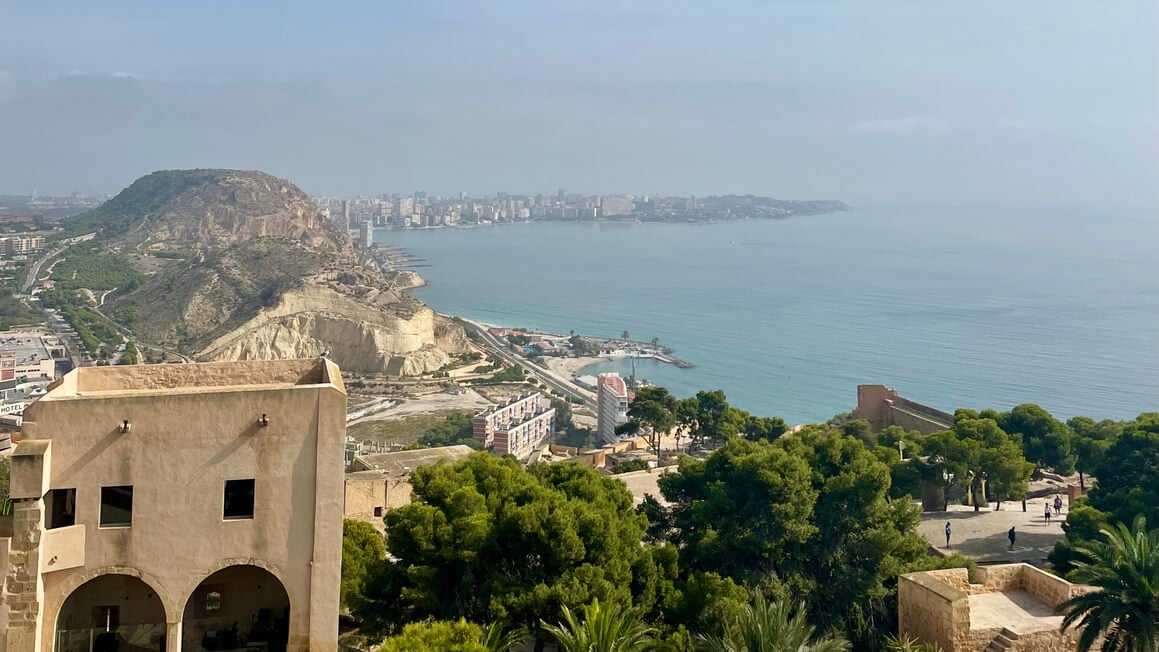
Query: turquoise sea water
{"type": "Point", "coordinates": [953, 307]}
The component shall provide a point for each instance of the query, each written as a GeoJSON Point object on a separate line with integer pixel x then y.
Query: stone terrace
{"type": "Point", "coordinates": [1011, 607]}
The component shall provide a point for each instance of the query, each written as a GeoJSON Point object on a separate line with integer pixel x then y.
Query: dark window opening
{"type": "Point", "coordinates": [117, 506]}
{"type": "Point", "coordinates": [239, 499]}
{"type": "Point", "coordinates": [378, 511]}
{"type": "Point", "coordinates": [60, 508]}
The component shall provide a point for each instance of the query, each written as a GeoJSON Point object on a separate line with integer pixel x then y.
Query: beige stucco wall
{"type": "Point", "coordinates": [182, 447]}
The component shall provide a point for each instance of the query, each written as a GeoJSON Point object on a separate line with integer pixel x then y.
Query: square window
{"type": "Point", "coordinates": [117, 506]}
{"type": "Point", "coordinates": [60, 508]}
{"type": "Point", "coordinates": [239, 499]}
{"type": "Point", "coordinates": [377, 511]}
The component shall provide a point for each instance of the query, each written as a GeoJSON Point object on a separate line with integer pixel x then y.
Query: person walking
{"type": "Point", "coordinates": [1057, 505]}
{"type": "Point", "coordinates": [1010, 535]}
{"type": "Point", "coordinates": [947, 534]}
{"type": "Point", "coordinates": [1046, 513]}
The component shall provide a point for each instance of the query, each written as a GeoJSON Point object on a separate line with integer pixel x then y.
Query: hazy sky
{"type": "Point", "coordinates": [868, 101]}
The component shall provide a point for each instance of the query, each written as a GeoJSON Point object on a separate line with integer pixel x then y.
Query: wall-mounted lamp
{"type": "Point", "coordinates": [126, 426]}
{"type": "Point", "coordinates": [264, 420]}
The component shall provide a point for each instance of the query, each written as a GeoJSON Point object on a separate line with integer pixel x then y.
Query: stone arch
{"type": "Point", "coordinates": [236, 602]}
{"type": "Point", "coordinates": [111, 610]}
{"type": "Point", "coordinates": [70, 585]}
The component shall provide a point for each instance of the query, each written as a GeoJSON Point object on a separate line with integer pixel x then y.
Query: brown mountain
{"type": "Point", "coordinates": [243, 266]}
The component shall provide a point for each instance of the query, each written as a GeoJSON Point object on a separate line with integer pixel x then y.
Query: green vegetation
{"type": "Point", "coordinates": [145, 197]}
{"type": "Point", "coordinates": [602, 628]}
{"type": "Point", "coordinates": [14, 312]}
{"type": "Point", "coordinates": [455, 430]}
{"type": "Point", "coordinates": [85, 267]}
{"type": "Point", "coordinates": [130, 355]}
{"type": "Point", "coordinates": [769, 542]}
{"type": "Point", "coordinates": [488, 541]}
{"type": "Point", "coordinates": [512, 374]}
{"type": "Point", "coordinates": [5, 485]}
{"type": "Point", "coordinates": [178, 254]}
{"type": "Point", "coordinates": [1126, 610]}
{"type": "Point", "coordinates": [404, 431]}
{"type": "Point", "coordinates": [630, 466]}
{"type": "Point", "coordinates": [1125, 459]}
{"type": "Point", "coordinates": [362, 551]}
{"type": "Point", "coordinates": [767, 625]}
{"type": "Point", "coordinates": [450, 636]}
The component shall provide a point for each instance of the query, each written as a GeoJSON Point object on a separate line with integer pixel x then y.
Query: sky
{"type": "Point", "coordinates": [865, 101]}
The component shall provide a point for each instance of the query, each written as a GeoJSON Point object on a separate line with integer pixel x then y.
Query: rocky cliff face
{"type": "Point", "coordinates": [249, 270]}
{"type": "Point", "coordinates": [409, 340]}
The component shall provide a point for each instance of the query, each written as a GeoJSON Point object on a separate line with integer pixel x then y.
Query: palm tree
{"type": "Point", "coordinates": [771, 627]}
{"type": "Point", "coordinates": [1125, 612]}
{"type": "Point", "coordinates": [602, 629]}
{"type": "Point", "coordinates": [495, 640]}
{"type": "Point", "coordinates": [904, 643]}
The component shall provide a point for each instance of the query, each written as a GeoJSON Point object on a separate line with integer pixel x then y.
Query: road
{"type": "Point", "coordinates": [499, 347]}
{"type": "Point", "coordinates": [34, 271]}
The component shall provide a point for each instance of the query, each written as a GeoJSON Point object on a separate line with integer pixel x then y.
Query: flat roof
{"type": "Point", "coordinates": [27, 345]}
{"type": "Point", "coordinates": [399, 462]}
{"type": "Point", "coordinates": [194, 377]}
{"type": "Point", "coordinates": [1017, 610]}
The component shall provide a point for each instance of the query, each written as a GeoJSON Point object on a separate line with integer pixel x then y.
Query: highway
{"type": "Point", "coordinates": [498, 347]}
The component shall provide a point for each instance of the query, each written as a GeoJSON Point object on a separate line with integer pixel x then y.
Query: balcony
{"type": "Point", "coordinates": [62, 548]}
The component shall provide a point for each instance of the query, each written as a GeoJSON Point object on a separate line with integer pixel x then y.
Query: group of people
{"type": "Point", "coordinates": [1010, 534]}
{"type": "Point", "coordinates": [1057, 508]}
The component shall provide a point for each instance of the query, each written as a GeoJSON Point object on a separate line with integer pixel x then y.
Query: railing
{"type": "Point", "coordinates": [126, 638]}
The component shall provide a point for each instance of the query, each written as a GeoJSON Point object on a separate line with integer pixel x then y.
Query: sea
{"type": "Point", "coordinates": [981, 307]}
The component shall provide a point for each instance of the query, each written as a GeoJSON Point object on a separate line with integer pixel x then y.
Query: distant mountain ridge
{"type": "Point", "coordinates": [242, 265]}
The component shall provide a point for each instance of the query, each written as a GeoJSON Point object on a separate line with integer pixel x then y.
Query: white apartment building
{"type": "Point", "coordinates": [612, 402]}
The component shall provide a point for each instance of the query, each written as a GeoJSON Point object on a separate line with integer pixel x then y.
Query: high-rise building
{"type": "Point", "coordinates": [154, 506]}
{"type": "Point", "coordinates": [346, 214]}
{"type": "Point", "coordinates": [612, 405]}
{"type": "Point", "coordinates": [366, 234]}
{"type": "Point", "coordinates": [562, 196]}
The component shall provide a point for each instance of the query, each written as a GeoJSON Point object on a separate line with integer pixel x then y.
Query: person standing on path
{"type": "Point", "coordinates": [1010, 535]}
{"type": "Point", "coordinates": [1057, 505]}
{"type": "Point", "coordinates": [947, 534]}
{"type": "Point", "coordinates": [1046, 513]}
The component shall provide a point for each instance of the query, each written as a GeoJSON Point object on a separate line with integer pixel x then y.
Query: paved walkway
{"type": "Point", "coordinates": [982, 535]}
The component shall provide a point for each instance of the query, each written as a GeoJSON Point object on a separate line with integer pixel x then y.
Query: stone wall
{"type": "Point", "coordinates": [934, 607]}
{"type": "Point", "coordinates": [931, 610]}
{"type": "Point", "coordinates": [23, 592]}
{"type": "Point", "coordinates": [882, 407]}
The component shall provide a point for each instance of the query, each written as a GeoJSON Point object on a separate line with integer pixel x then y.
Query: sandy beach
{"type": "Point", "coordinates": [568, 367]}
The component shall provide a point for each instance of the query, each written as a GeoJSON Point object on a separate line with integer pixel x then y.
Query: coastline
{"type": "Point", "coordinates": [570, 367]}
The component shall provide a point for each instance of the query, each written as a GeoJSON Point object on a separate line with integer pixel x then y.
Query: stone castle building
{"type": "Point", "coordinates": [882, 407]}
{"type": "Point", "coordinates": [1010, 607]}
{"type": "Point", "coordinates": [178, 507]}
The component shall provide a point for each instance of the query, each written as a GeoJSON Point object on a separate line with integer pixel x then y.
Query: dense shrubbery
{"type": "Point", "coordinates": [455, 430]}
{"type": "Point", "coordinates": [84, 267]}
{"type": "Point", "coordinates": [13, 311]}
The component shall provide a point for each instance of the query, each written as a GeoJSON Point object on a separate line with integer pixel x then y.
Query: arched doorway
{"type": "Point", "coordinates": [237, 608]}
{"type": "Point", "coordinates": [111, 613]}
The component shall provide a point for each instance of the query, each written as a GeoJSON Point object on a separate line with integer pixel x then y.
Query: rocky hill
{"type": "Point", "coordinates": [242, 266]}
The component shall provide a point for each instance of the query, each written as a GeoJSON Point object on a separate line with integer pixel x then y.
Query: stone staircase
{"type": "Point", "coordinates": [1004, 641]}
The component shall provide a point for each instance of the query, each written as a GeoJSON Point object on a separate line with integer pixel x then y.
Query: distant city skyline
{"type": "Point", "coordinates": [863, 102]}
